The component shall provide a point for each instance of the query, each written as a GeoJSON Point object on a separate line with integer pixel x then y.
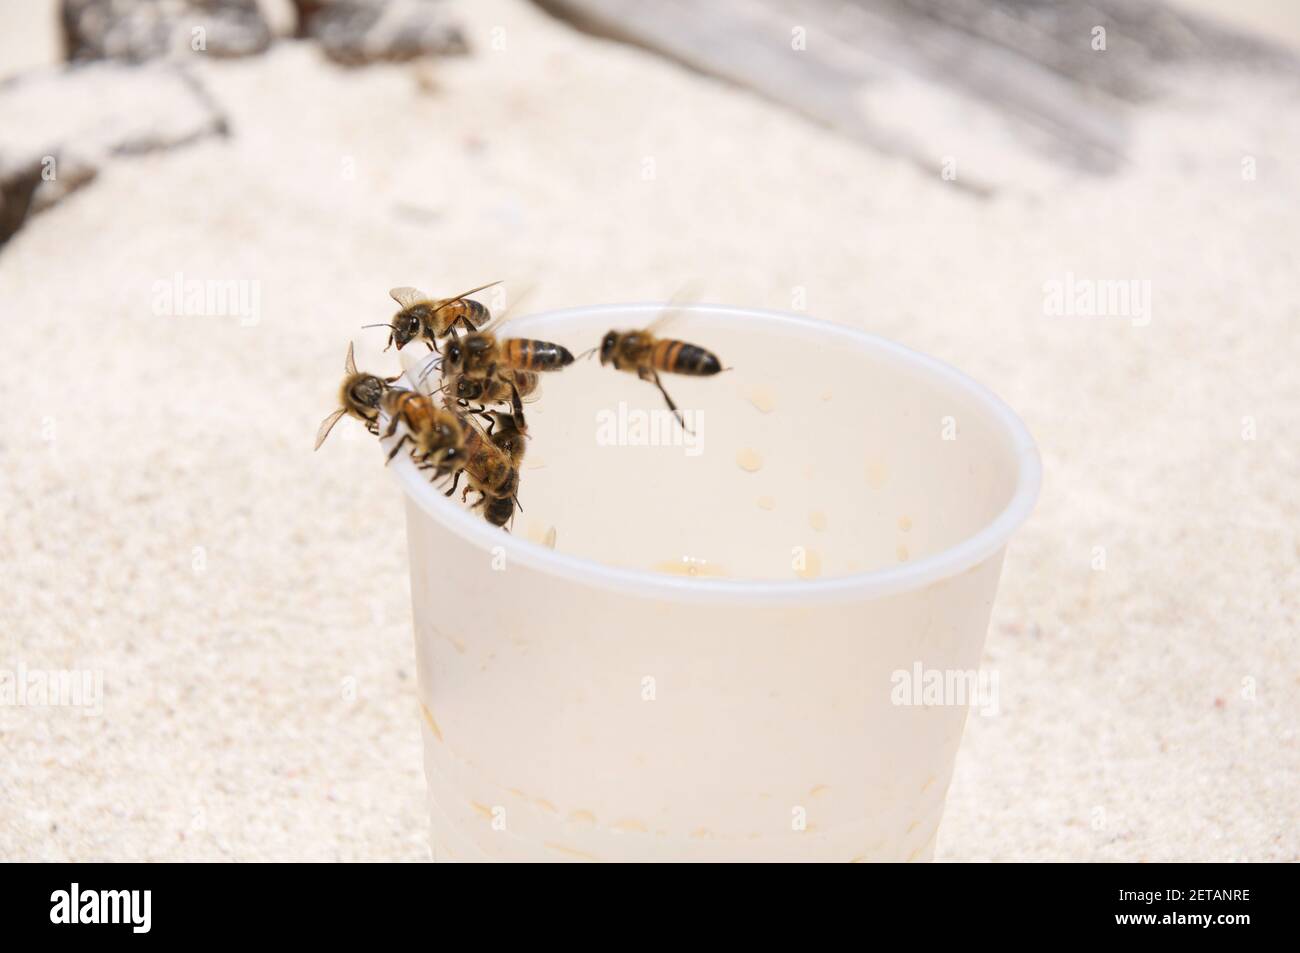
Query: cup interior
{"type": "Point", "coordinates": [821, 452]}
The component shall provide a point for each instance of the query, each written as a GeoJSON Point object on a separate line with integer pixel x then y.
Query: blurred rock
{"type": "Point", "coordinates": [140, 30]}
{"type": "Point", "coordinates": [61, 126]}
{"type": "Point", "coordinates": [367, 31]}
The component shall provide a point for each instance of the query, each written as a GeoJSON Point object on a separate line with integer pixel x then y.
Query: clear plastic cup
{"type": "Point", "coordinates": [706, 665]}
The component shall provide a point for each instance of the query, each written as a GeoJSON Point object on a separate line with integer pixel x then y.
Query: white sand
{"type": "Point", "coordinates": [135, 441]}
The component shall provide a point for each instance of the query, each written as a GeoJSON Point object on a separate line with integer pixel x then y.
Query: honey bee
{"type": "Point", "coordinates": [643, 354]}
{"type": "Point", "coordinates": [504, 431]}
{"type": "Point", "coordinates": [468, 392]}
{"type": "Point", "coordinates": [483, 359]}
{"type": "Point", "coordinates": [436, 435]}
{"type": "Point", "coordinates": [433, 318]}
{"type": "Point", "coordinates": [359, 397]}
{"type": "Point", "coordinates": [491, 472]}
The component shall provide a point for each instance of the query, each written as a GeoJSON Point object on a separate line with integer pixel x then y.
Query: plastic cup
{"type": "Point", "coordinates": [706, 664]}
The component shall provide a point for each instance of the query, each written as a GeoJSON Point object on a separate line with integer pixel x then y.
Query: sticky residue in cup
{"type": "Point", "coordinates": [749, 460]}
{"type": "Point", "coordinates": [690, 566]}
{"type": "Point", "coordinates": [767, 502]}
{"type": "Point", "coordinates": [817, 520]}
{"type": "Point", "coordinates": [582, 816]}
{"type": "Point", "coordinates": [877, 474]}
{"type": "Point", "coordinates": [762, 399]}
{"type": "Point", "coordinates": [819, 790]}
{"type": "Point", "coordinates": [905, 523]}
{"type": "Point", "coordinates": [429, 720]}
{"type": "Point", "coordinates": [827, 394]}
{"type": "Point", "coordinates": [630, 826]}
{"type": "Point", "coordinates": [549, 540]}
{"type": "Point", "coordinates": [569, 851]}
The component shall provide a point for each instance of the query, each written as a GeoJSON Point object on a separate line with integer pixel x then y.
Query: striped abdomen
{"type": "Point", "coordinates": [528, 355]}
{"type": "Point", "coordinates": [678, 357]}
{"type": "Point", "coordinates": [466, 309]}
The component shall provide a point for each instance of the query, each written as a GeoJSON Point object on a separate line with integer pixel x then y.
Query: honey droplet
{"type": "Point", "coordinates": [749, 460]}
{"type": "Point", "coordinates": [817, 520]}
{"type": "Point", "coordinates": [581, 816]}
{"type": "Point", "coordinates": [905, 523]}
{"type": "Point", "coordinates": [903, 554]}
{"type": "Point", "coordinates": [767, 502]}
{"type": "Point", "coordinates": [877, 474]}
{"type": "Point", "coordinates": [811, 566]}
{"type": "Point", "coordinates": [761, 399]}
{"type": "Point", "coordinates": [433, 725]}
{"type": "Point", "coordinates": [549, 541]}
{"type": "Point", "coordinates": [827, 395]}
{"type": "Point", "coordinates": [630, 826]}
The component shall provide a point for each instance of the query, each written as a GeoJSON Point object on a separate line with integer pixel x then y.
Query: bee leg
{"type": "Point", "coordinates": [469, 325]}
{"type": "Point", "coordinates": [491, 421]}
{"type": "Point", "coordinates": [517, 408]}
{"type": "Point", "coordinates": [392, 426]}
{"type": "Point", "coordinates": [454, 481]}
{"type": "Point", "coordinates": [397, 446]}
{"type": "Point", "coordinates": [654, 379]}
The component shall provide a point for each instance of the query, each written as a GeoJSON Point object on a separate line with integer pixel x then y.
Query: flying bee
{"type": "Point", "coordinates": [433, 318]}
{"type": "Point", "coordinates": [436, 435]}
{"type": "Point", "coordinates": [483, 358]}
{"type": "Point", "coordinates": [491, 472]}
{"type": "Point", "coordinates": [643, 354]}
{"type": "Point", "coordinates": [359, 397]}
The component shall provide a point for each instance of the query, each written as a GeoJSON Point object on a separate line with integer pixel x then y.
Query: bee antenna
{"type": "Point", "coordinates": [587, 353]}
{"type": "Point", "coordinates": [384, 325]}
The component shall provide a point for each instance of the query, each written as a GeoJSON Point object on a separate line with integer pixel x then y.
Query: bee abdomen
{"type": "Point", "coordinates": [477, 313]}
{"type": "Point", "coordinates": [528, 355]}
{"type": "Point", "coordinates": [678, 357]}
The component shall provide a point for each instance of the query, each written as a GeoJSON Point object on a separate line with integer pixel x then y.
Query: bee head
{"type": "Point", "coordinates": [406, 328]}
{"type": "Point", "coordinates": [366, 391]}
{"type": "Point", "coordinates": [607, 347]}
{"type": "Point", "coordinates": [468, 389]}
{"type": "Point", "coordinates": [500, 510]}
{"type": "Point", "coordinates": [453, 358]}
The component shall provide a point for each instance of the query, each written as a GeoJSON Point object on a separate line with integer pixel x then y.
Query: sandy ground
{"type": "Point", "coordinates": [167, 524]}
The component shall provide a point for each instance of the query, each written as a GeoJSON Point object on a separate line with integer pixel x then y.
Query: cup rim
{"type": "Point", "coordinates": [852, 587]}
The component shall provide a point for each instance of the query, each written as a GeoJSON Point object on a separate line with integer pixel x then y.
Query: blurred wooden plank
{"type": "Point", "coordinates": [878, 70]}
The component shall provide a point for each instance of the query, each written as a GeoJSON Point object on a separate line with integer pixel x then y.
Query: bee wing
{"type": "Point", "coordinates": [494, 326]}
{"type": "Point", "coordinates": [673, 308]}
{"type": "Point", "coordinates": [463, 295]}
{"type": "Point", "coordinates": [407, 296]}
{"type": "Point", "coordinates": [326, 426]}
{"type": "Point", "coordinates": [350, 367]}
